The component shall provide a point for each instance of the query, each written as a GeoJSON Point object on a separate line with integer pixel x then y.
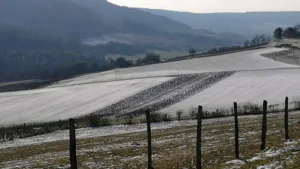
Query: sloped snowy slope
{"type": "Point", "coordinates": [247, 60]}
{"type": "Point", "coordinates": [50, 104]}
{"type": "Point", "coordinates": [244, 87]}
{"type": "Point", "coordinates": [112, 90]}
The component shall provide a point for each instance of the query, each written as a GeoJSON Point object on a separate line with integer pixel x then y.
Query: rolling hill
{"type": "Point", "coordinates": [94, 18]}
{"type": "Point", "coordinates": [214, 82]}
{"type": "Point", "coordinates": [247, 24]}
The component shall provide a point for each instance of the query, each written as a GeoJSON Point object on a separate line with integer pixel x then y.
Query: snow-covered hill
{"type": "Point", "coordinates": [201, 83]}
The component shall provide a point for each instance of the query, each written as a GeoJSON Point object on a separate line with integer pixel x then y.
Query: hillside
{"type": "Point", "coordinates": [44, 39]}
{"type": "Point", "coordinates": [247, 24]}
{"type": "Point", "coordinates": [92, 18]}
{"type": "Point", "coordinates": [53, 17]}
{"type": "Point", "coordinates": [159, 86]}
{"type": "Point", "coordinates": [132, 20]}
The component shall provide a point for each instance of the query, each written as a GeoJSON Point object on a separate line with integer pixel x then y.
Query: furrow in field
{"type": "Point", "coordinates": [291, 56]}
{"type": "Point", "coordinates": [166, 94]}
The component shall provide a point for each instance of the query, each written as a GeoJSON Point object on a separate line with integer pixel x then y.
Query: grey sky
{"type": "Point", "coordinates": [211, 6]}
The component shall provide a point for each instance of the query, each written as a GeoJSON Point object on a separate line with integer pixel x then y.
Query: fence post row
{"type": "Point", "coordinates": [149, 139]}
{"type": "Point", "coordinates": [198, 145]}
{"type": "Point", "coordinates": [73, 159]}
{"type": "Point", "coordinates": [236, 126]}
{"type": "Point", "coordinates": [286, 118]}
{"type": "Point", "coordinates": [264, 126]}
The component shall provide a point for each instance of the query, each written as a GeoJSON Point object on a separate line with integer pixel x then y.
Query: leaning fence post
{"type": "Point", "coordinates": [264, 126]}
{"type": "Point", "coordinates": [149, 139]}
{"type": "Point", "coordinates": [286, 118]}
{"type": "Point", "coordinates": [73, 159]}
{"type": "Point", "coordinates": [198, 145]}
{"type": "Point", "coordinates": [236, 126]}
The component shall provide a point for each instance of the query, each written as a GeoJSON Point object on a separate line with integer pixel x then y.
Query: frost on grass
{"type": "Point", "coordinates": [271, 153]}
{"type": "Point", "coordinates": [235, 162]}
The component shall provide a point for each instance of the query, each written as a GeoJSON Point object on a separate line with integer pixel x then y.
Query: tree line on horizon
{"type": "Point", "coordinates": [289, 32]}
{"type": "Point", "coordinates": [256, 41]}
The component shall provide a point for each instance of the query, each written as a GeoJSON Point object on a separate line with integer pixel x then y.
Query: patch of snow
{"type": "Point", "coordinates": [235, 162]}
{"type": "Point", "coordinates": [270, 166]}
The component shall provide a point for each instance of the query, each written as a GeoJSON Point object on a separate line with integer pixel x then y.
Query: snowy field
{"type": "Point", "coordinates": [245, 87]}
{"type": "Point", "coordinates": [257, 78]}
{"type": "Point", "coordinates": [247, 60]}
{"type": "Point", "coordinates": [50, 104]}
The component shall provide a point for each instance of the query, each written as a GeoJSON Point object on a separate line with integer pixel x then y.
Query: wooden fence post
{"type": "Point", "coordinates": [264, 126]}
{"type": "Point", "coordinates": [149, 139]}
{"type": "Point", "coordinates": [286, 118]}
{"type": "Point", "coordinates": [73, 159]}
{"type": "Point", "coordinates": [198, 145]}
{"type": "Point", "coordinates": [236, 126]}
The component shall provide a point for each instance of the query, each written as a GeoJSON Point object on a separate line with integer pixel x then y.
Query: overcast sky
{"type": "Point", "coordinates": [211, 6]}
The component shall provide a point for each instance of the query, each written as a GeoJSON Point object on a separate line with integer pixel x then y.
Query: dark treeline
{"type": "Point", "coordinates": [289, 32]}
{"type": "Point", "coordinates": [21, 65]}
{"type": "Point", "coordinates": [25, 55]}
{"type": "Point", "coordinates": [258, 40]}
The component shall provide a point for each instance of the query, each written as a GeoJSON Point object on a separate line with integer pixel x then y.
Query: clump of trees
{"type": "Point", "coordinates": [121, 62]}
{"type": "Point", "coordinates": [149, 58]}
{"type": "Point", "coordinates": [289, 32]}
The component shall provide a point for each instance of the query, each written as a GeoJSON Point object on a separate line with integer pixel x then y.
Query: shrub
{"type": "Point", "coordinates": [192, 51]}
{"type": "Point", "coordinates": [104, 122]}
{"type": "Point", "coordinates": [179, 113]}
{"type": "Point", "coordinates": [297, 105]}
{"type": "Point", "coordinates": [93, 119]}
{"type": "Point", "coordinates": [193, 114]}
{"type": "Point", "coordinates": [129, 119]}
{"type": "Point", "coordinates": [166, 117]}
{"type": "Point", "coordinates": [149, 58]}
{"type": "Point", "coordinates": [155, 117]}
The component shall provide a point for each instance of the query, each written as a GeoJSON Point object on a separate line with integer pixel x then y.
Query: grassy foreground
{"type": "Point", "coordinates": [172, 148]}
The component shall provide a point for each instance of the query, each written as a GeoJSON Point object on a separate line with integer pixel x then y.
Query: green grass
{"type": "Point", "coordinates": [172, 148]}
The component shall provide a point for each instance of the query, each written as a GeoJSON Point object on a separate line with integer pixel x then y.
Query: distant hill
{"type": "Point", "coordinates": [61, 17]}
{"type": "Point", "coordinates": [99, 19]}
{"type": "Point", "coordinates": [247, 24]}
{"type": "Point", "coordinates": [132, 20]}
{"type": "Point", "coordinates": [85, 18]}
{"type": "Point", "coordinates": [60, 38]}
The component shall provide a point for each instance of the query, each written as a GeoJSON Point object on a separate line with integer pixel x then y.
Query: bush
{"type": "Point", "coordinates": [193, 114]}
{"type": "Point", "coordinates": [123, 63]}
{"type": "Point", "coordinates": [166, 117]}
{"type": "Point", "coordinates": [155, 117]}
{"type": "Point", "coordinates": [104, 122]}
{"type": "Point", "coordinates": [93, 119]}
{"type": "Point", "coordinates": [297, 105]}
{"type": "Point", "coordinates": [179, 113]}
{"type": "Point", "coordinates": [129, 119]}
{"type": "Point", "coordinates": [149, 58]}
{"type": "Point", "coordinates": [192, 51]}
